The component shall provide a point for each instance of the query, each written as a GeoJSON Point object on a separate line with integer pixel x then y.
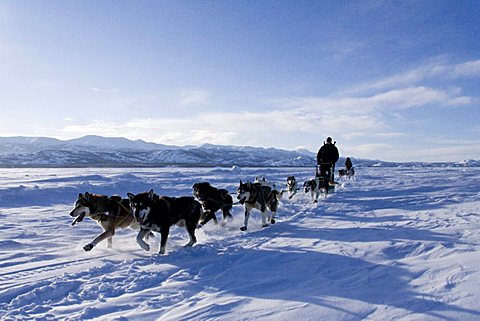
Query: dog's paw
{"type": "Point", "coordinates": [264, 225]}
{"type": "Point", "coordinates": [145, 246]}
{"type": "Point", "coordinates": [243, 228]}
{"type": "Point", "coordinates": [88, 247]}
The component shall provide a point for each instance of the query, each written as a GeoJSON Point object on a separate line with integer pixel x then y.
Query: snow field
{"type": "Point", "coordinates": [395, 243]}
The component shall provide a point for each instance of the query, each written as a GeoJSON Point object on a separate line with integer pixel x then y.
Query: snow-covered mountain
{"type": "Point", "coordinates": [19, 144]}
{"type": "Point", "coordinates": [97, 151]}
{"type": "Point", "coordinates": [89, 151]}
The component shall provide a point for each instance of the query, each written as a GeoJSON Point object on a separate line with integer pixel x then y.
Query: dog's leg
{"type": "Point", "coordinates": [149, 235]}
{"type": "Point", "coordinates": [226, 214]}
{"type": "Point", "coordinates": [140, 236]}
{"type": "Point", "coordinates": [109, 243]}
{"type": "Point", "coordinates": [214, 218]}
{"type": "Point", "coordinates": [164, 231]}
{"type": "Point", "coordinates": [272, 219]}
{"type": "Point", "coordinates": [273, 210]}
{"type": "Point", "coordinates": [98, 239]}
{"type": "Point", "coordinates": [207, 216]}
{"type": "Point", "coordinates": [245, 222]}
{"type": "Point", "coordinates": [292, 194]}
{"type": "Point", "coordinates": [264, 219]}
{"type": "Point", "coordinates": [191, 233]}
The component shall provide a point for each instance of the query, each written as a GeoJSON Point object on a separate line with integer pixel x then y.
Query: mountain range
{"type": "Point", "coordinates": [98, 151]}
{"type": "Point", "coordinates": [92, 151]}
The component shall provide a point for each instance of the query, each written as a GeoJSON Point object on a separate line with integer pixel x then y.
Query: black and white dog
{"type": "Point", "coordinates": [262, 180]}
{"type": "Point", "coordinates": [348, 173]}
{"type": "Point", "coordinates": [315, 186]}
{"type": "Point", "coordinates": [291, 186]}
{"type": "Point", "coordinates": [212, 200]}
{"type": "Point", "coordinates": [260, 197]}
{"type": "Point", "coordinates": [159, 213]}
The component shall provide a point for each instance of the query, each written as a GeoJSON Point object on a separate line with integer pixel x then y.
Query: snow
{"type": "Point", "coordinates": [393, 244]}
{"type": "Point", "coordinates": [91, 150]}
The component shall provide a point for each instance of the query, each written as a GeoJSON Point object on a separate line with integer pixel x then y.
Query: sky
{"type": "Point", "coordinates": [388, 80]}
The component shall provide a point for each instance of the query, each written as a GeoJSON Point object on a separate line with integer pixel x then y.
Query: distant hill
{"type": "Point", "coordinates": [91, 151]}
{"type": "Point", "coordinates": [98, 151]}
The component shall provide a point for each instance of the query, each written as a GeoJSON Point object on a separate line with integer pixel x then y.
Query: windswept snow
{"type": "Point", "coordinates": [393, 244]}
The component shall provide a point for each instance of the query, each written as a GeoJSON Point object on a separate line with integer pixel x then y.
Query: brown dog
{"type": "Point", "coordinates": [110, 213]}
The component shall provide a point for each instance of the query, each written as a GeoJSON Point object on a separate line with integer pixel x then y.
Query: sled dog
{"type": "Point", "coordinates": [212, 200]}
{"type": "Point", "coordinates": [291, 186]}
{"type": "Point", "coordinates": [159, 213]}
{"type": "Point", "coordinates": [110, 213]}
{"type": "Point", "coordinates": [260, 197]}
{"type": "Point", "coordinates": [315, 186]}
{"type": "Point", "coordinates": [262, 181]}
{"type": "Point", "coordinates": [348, 173]}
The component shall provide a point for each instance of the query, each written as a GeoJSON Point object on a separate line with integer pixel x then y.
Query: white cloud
{"type": "Point", "coordinates": [350, 119]}
{"type": "Point", "coordinates": [423, 73]}
{"type": "Point", "coordinates": [367, 150]}
{"type": "Point", "coordinates": [396, 99]}
{"type": "Point", "coordinates": [97, 127]}
{"type": "Point", "coordinates": [347, 117]}
{"type": "Point", "coordinates": [467, 69]}
{"type": "Point", "coordinates": [246, 128]}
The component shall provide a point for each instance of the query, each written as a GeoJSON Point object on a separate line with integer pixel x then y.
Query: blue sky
{"type": "Point", "coordinates": [390, 80]}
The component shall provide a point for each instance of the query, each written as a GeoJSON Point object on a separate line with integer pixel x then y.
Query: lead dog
{"type": "Point", "coordinates": [110, 213]}
{"type": "Point", "coordinates": [260, 197]}
{"type": "Point", "coordinates": [212, 200]}
{"type": "Point", "coordinates": [159, 213]}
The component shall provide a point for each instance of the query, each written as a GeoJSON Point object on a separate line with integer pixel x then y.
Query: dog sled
{"type": "Point", "coordinates": [348, 173]}
{"type": "Point", "coordinates": [326, 177]}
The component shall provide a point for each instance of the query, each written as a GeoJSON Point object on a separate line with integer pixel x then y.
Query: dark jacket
{"type": "Point", "coordinates": [348, 164]}
{"type": "Point", "coordinates": [328, 153]}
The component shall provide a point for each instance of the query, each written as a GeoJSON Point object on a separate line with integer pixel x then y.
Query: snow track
{"type": "Point", "coordinates": [396, 243]}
